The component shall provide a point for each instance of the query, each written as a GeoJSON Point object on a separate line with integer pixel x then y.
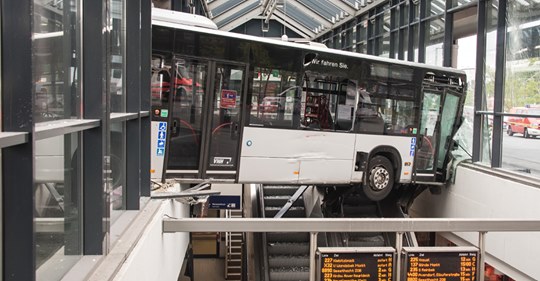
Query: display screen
{"type": "Point", "coordinates": [441, 266]}
{"type": "Point", "coordinates": [356, 266]}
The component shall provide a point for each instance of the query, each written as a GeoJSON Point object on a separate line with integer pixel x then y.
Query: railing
{"type": "Point", "coordinates": [398, 226]}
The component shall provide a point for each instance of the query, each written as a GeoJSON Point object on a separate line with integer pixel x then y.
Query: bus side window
{"type": "Point", "coordinates": [368, 118]}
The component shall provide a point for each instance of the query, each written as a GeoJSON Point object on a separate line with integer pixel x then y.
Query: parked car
{"type": "Point", "coordinates": [527, 126]}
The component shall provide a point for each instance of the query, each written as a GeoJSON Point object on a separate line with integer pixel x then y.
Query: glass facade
{"type": "Point", "coordinates": [56, 60]}
{"type": "Point", "coordinates": [58, 205]}
{"type": "Point", "coordinates": [417, 31]}
{"type": "Point", "coordinates": [63, 132]}
{"type": "Point", "coordinates": [117, 93]}
{"type": "Point", "coordinates": [522, 84]}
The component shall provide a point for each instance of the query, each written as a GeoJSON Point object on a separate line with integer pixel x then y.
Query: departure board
{"type": "Point", "coordinates": [358, 264]}
{"type": "Point", "coordinates": [440, 263]}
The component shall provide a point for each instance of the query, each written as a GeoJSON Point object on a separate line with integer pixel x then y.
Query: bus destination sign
{"type": "Point", "coordinates": [440, 264]}
{"type": "Point", "coordinates": [358, 266]}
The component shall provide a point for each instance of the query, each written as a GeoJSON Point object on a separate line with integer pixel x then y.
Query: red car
{"type": "Point", "coordinates": [527, 126]}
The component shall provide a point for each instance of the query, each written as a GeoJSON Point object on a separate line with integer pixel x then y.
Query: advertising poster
{"type": "Point", "coordinates": [228, 99]}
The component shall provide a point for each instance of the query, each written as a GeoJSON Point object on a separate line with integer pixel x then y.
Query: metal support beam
{"type": "Point", "coordinates": [479, 79]}
{"type": "Point", "coordinates": [500, 76]}
{"type": "Point", "coordinates": [481, 261]}
{"type": "Point", "coordinates": [348, 225]}
{"type": "Point", "coordinates": [298, 27]}
{"type": "Point", "coordinates": [312, 256]}
{"type": "Point", "coordinates": [291, 201]}
{"type": "Point", "coordinates": [399, 248]}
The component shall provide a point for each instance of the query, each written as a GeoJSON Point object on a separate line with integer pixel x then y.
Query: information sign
{"type": "Point", "coordinates": [228, 99]}
{"type": "Point", "coordinates": [362, 264]}
{"type": "Point", "coordinates": [440, 263]}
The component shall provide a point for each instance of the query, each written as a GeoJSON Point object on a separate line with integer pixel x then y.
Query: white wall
{"type": "Point", "coordinates": [157, 255]}
{"type": "Point", "coordinates": [476, 194]}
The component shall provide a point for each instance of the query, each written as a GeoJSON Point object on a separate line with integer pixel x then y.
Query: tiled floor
{"type": "Point", "coordinates": [209, 269]}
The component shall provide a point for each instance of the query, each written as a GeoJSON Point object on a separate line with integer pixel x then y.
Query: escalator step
{"type": "Point", "coordinates": [357, 199]}
{"type": "Point", "coordinates": [279, 190]}
{"type": "Point", "coordinates": [287, 237]}
{"type": "Point", "coordinates": [280, 201]}
{"type": "Point", "coordinates": [360, 210]}
{"type": "Point", "coordinates": [288, 261]}
{"type": "Point", "coordinates": [289, 274]}
{"type": "Point", "coordinates": [288, 248]}
{"type": "Point", "coordinates": [374, 241]}
{"type": "Point", "coordinates": [293, 212]}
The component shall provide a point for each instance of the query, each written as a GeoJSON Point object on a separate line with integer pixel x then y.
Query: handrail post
{"type": "Point", "coordinates": [312, 253]}
{"type": "Point", "coordinates": [399, 248]}
{"type": "Point", "coordinates": [481, 260]}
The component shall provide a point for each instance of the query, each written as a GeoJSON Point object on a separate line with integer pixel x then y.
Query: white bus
{"type": "Point", "coordinates": [339, 118]}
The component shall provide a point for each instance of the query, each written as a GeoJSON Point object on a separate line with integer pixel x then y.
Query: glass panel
{"type": "Point", "coordinates": [116, 55]}
{"type": "Point", "coordinates": [435, 7]}
{"type": "Point", "coordinates": [56, 59]}
{"type": "Point", "coordinates": [448, 118]}
{"type": "Point", "coordinates": [415, 42]}
{"type": "Point", "coordinates": [427, 140]}
{"type": "Point", "coordinates": [225, 115]}
{"type": "Point", "coordinates": [385, 46]}
{"type": "Point", "coordinates": [520, 150]}
{"type": "Point", "coordinates": [58, 213]}
{"type": "Point", "coordinates": [466, 61]}
{"type": "Point", "coordinates": [361, 30]}
{"type": "Point", "coordinates": [187, 114]}
{"type": "Point", "coordinates": [118, 168]}
{"type": "Point", "coordinates": [434, 42]}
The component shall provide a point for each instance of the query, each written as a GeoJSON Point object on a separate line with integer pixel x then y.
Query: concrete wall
{"type": "Point", "coordinates": [158, 256]}
{"type": "Point", "coordinates": [477, 194]}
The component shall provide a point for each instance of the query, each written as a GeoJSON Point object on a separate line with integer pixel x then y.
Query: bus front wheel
{"type": "Point", "coordinates": [380, 178]}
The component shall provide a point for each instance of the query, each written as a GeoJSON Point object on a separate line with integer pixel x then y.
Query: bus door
{"type": "Point", "coordinates": [205, 119]}
{"type": "Point", "coordinates": [438, 119]}
{"type": "Point", "coordinates": [427, 136]}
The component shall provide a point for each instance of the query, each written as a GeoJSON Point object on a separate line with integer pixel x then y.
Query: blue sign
{"type": "Point", "coordinates": [160, 152]}
{"type": "Point", "coordinates": [412, 153]}
{"type": "Point", "coordinates": [413, 141]}
{"type": "Point", "coordinates": [227, 202]}
{"type": "Point", "coordinates": [160, 143]}
{"type": "Point", "coordinates": [162, 126]}
{"type": "Point", "coordinates": [161, 135]}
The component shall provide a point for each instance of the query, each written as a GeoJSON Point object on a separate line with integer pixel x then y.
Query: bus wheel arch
{"type": "Point", "coordinates": [382, 173]}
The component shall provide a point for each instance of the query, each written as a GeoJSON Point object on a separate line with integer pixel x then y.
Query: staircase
{"type": "Point", "coordinates": [233, 256]}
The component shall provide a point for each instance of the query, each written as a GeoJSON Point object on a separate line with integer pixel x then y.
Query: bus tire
{"type": "Point", "coordinates": [380, 178]}
{"type": "Point", "coordinates": [509, 131]}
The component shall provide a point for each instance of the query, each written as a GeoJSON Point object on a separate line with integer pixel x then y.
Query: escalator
{"type": "Point", "coordinates": [286, 254]}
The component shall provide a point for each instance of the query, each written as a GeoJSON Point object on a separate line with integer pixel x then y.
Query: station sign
{"type": "Point", "coordinates": [361, 263]}
{"type": "Point", "coordinates": [224, 202]}
{"type": "Point", "coordinates": [440, 263]}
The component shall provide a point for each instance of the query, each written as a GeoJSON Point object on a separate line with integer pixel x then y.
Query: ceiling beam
{"type": "Point", "coordinates": [215, 4]}
{"type": "Point", "coordinates": [241, 20]}
{"type": "Point", "coordinates": [235, 10]}
{"type": "Point", "coordinates": [295, 26]}
{"type": "Point", "coordinates": [325, 22]}
{"type": "Point", "coordinates": [344, 6]}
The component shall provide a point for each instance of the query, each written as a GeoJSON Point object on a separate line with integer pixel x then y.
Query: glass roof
{"type": "Point", "coordinates": [308, 17]}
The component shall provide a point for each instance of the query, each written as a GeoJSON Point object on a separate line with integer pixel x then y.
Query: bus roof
{"type": "Point", "coordinates": [177, 23]}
